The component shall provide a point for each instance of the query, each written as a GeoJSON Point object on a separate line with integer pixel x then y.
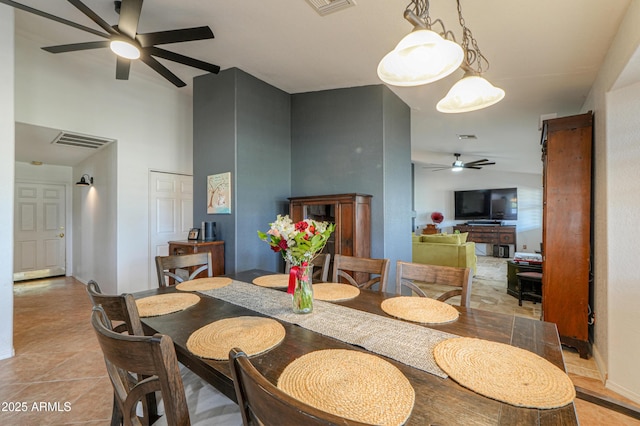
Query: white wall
{"type": "Point", "coordinates": [151, 121]}
{"type": "Point", "coordinates": [7, 135]}
{"type": "Point", "coordinates": [95, 220]}
{"type": "Point", "coordinates": [434, 192]}
{"type": "Point", "coordinates": [617, 209]}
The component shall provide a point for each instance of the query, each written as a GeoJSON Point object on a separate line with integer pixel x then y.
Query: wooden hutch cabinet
{"type": "Point", "coordinates": [566, 227]}
{"type": "Point", "coordinates": [350, 212]}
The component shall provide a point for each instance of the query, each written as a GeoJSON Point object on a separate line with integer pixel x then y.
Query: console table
{"type": "Point", "coordinates": [489, 234]}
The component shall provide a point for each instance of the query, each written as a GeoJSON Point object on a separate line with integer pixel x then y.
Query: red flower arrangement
{"type": "Point", "coordinates": [437, 217]}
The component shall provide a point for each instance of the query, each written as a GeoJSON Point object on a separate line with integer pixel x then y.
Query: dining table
{"type": "Point", "coordinates": [438, 400]}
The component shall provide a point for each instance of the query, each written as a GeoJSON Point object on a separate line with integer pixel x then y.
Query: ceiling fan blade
{"type": "Point", "coordinates": [181, 59]}
{"type": "Point", "coordinates": [471, 167]}
{"type": "Point", "coordinates": [123, 65]}
{"type": "Point", "coordinates": [53, 17]}
{"type": "Point", "coordinates": [174, 36]}
{"type": "Point", "coordinates": [129, 17]}
{"type": "Point", "coordinates": [477, 161]}
{"type": "Point", "coordinates": [76, 46]}
{"type": "Point", "coordinates": [93, 16]}
{"type": "Point", "coordinates": [161, 69]}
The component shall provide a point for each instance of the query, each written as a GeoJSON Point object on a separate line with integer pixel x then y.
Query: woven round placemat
{"type": "Point", "coordinates": [202, 284]}
{"type": "Point", "coordinates": [162, 304]}
{"type": "Point", "coordinates": [335, 292]}
{"type": "Point", "coordinates": [351, 384]}
{"type": "Point", "coordinates": [420, 309]}
{"type": "Point", "coordinates": [274, 281]}
{"type": "Point", "coordinates": [254, 335]}
{"type": "Point", "coordinates": [506, 373]}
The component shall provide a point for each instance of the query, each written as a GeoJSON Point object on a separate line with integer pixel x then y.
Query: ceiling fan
{"type": "Point", "coordinates": [125, 35]}
{"type": "Point", "coordinates": [458, 165]}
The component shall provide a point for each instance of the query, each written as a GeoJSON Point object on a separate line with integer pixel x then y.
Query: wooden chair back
{"type": "Point", "coordinates": [320, 267]}
{"type": "Point", "coordinates": [119, 308]}
{"type": "Point", "coordinates": [140, 365]}
{"type": "Point", "coordinates": [357, 271]}
{"type": "Point", "coordinates": [461, 278]}
{"type": "Point", "coordinates": [262, 403]}
{"type": "Point", "coordinates": [166, 266]}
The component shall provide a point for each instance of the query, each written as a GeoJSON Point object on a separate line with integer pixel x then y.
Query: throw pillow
{"type": "Point", "coordinates": [463, 237]}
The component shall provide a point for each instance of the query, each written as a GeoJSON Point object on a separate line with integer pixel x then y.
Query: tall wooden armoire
{"type": "Point", "coordinates": [350, 212]}
{"type": "Point", "coordinates": [566, 227]}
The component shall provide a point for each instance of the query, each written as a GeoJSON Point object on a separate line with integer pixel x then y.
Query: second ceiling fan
{"type": "Point", "coordinates": [458, 164]}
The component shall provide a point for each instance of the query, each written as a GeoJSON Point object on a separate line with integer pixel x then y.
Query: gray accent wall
{"type": "Point", "coordinates": [357, 140]}
{"type": "Point", "coordinates": [242, 125]}
{"type": "Point", "coordinates": [276, 145]}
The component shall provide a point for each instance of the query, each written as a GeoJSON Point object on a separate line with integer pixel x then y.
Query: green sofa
{"type": "Point", "coordinates": [445, 250]}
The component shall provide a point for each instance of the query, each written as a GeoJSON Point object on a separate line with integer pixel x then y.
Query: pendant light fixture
{"type": "Point", "coordinates": [423, 56]}
{"type": "Point", "coordinates": [472, 92]}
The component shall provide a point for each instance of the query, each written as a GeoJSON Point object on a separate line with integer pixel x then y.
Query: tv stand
{"type": "Point", "coordinates": [495, 234]}
{"type": "Point", "coordinates": [484, 223]}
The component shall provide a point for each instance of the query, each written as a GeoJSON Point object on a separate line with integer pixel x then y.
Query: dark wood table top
{"type": "Point", "coordinates": [438, 401]}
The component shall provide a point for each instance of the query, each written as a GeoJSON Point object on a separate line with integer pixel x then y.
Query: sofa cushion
{"type": "Point", "coordinates": [440, 238]}
{"type": "Point", "coordinates": [463, 237]}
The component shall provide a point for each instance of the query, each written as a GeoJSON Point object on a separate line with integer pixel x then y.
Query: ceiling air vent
{"type": "Point", "coordinates": [324, 7]}
{"type": "Point", "coordinates": [82, 141]}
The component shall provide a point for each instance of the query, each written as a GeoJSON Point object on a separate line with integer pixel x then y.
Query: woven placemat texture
{"type": "Point", "coordinates": [420, 309]}
{"type": "Point", "coordinates": [254, 335]}
{"type": "Point", "coordinates": [162, 304]}
{"type": "Point", "coordinates": [406, 342]}
{"type": "Point", "coordinates": [505, 373]}
{"type": "Point", "coordinates": [274, 281]}
{"type": "Point", "coordinates": [350, 384]}
{"type": "Point", "coordinates": [335, 292]}
{"type": "Point", "coordinates": [208, 283]}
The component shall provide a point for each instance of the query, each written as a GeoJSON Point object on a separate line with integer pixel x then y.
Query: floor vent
{"type": "Point", "coordinates": [324, 7]}
{"type": "Point", "coordinates": [82, 141]}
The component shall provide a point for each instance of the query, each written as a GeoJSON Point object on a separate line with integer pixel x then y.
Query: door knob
{"type": "Point", "coordinates": [61, 235]}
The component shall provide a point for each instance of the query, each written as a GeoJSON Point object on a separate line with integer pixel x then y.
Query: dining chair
{"type": "Point", "coordinates": [320, 267]}
{"type": "Point", "coordinates": [357, 271]}
{"type": "Point", "coordinates": [122, 311]}
{"type": "Point", "coordinates": [407, 273]}
{"type": "Point", "coordinates": [195, 263]}
{"type": "Point", "coordinates": [143, 365]}
{"type": "Point", "coordinates": [263, 403]}
{"type": "Point", "coordinates": [119, 308]}
{"type": "Point", "coordinates": [150, 358]}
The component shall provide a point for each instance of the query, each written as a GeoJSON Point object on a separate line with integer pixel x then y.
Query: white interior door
{"type": "Point", "coordinates": [170, 214]}
{"type": "Point", "coordinates": [39, 231]}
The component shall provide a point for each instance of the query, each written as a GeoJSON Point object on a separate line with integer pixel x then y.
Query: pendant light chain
{"type": "Point", "coordinates": [472, 53]}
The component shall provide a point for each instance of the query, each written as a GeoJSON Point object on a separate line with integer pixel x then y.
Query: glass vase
{"type": "Point", "coordinates": [303, 291]}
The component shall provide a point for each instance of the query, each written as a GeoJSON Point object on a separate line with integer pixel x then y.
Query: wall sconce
{"type": "Point", "coordinates": [85, 182]}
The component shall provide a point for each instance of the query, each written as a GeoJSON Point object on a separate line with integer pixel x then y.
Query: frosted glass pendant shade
{"type": "Point", "coordinates": [124, 49]}
{"type": "Point", "coordinates": [421, 57]}
{"type": "Point", "coordinates": [471, 93]}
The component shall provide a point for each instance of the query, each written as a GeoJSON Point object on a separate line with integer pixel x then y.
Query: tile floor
{"type": "Point", "coordinates": [59, 374]}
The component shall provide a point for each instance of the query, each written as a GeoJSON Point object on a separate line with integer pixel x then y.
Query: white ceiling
{"type": "Point", "coordinates": [544, 53]}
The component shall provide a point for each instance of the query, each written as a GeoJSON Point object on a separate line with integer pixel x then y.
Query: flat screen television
{"type": "Point", "coordinates": [487, 204]}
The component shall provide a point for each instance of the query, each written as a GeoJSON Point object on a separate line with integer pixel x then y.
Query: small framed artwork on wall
{"type": "Point", "coordinates": [219, 193]}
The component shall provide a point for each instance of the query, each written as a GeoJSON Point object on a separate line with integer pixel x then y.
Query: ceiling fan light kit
{"type": "Point", "coordinates": [425, 56]}
{"type": "Point", "coordinates": [125, 49]}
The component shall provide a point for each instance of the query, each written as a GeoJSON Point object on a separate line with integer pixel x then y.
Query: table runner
{"type": "Point", "coordinates": [407, 343]}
